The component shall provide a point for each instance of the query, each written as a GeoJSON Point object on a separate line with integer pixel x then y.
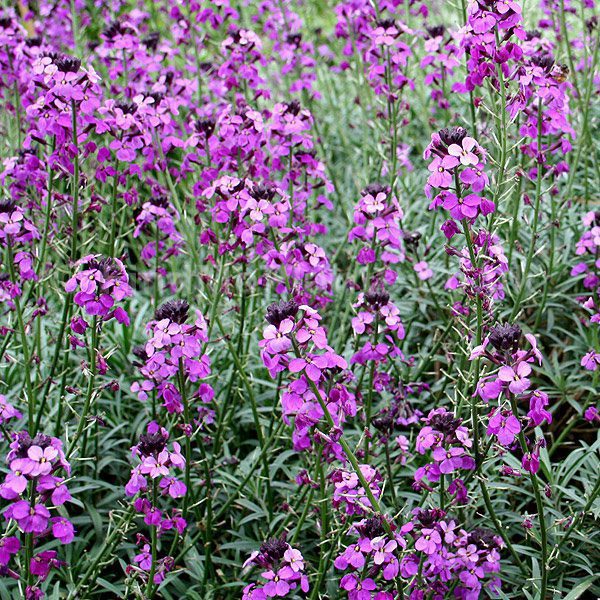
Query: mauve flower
{"type": "Point", "coordinates": [312, 365]}
{"type": "Point", "coordinates": [354, 555]}
{"type": "Point", "coordinates": [383, 549]}
{"type": "Point", "coordinates": [591, 361]}
{"type": "Point", "coordinates": [423, 271]}
{"type": "Point", "coordinates": [40, 460]}
{"type": "Point", "coordinates": [62, 530]}
{"type": "Point", "coordinates": [464, 152]}
{"type": "Point", "coordinates": [295, 560]}
{"type": "Point", "coordinates": [442, 175]}
{"type": "Point", "coordinates": [30, 518]}
{"type": "Point", "coordinates": [449, 459]}
{"type": "Point", "coordinates": [505, 426]}
{"type": "Point", "coordinates": [429, 541]}
{"type": "Point", "coordinates": [42, 562]}
{"type": "Point", "coordinates": [278, 584]}
{"type": "Point", "coordinates": [8, 546]}
{"type": "Point", "coordinates": [516, 377]}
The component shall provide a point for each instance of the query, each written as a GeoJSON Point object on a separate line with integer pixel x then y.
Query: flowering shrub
{"type": "Point", "coordinates": [299, 299]}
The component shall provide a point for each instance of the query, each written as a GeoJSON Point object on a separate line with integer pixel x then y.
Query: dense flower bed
{"type": "Point", "coordinates": [299, 299]}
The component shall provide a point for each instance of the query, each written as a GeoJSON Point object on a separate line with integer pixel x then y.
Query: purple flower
{"type": "Point", "coordinates": [30, 518]}
{"type": "Point", "coordinates": [516, 377]}
{"type": "Point", "coordinates": [464, 152]}
{"type": "Point", "coordinates": [449, 460]}
{"type": "Point", "coordinates": [505, 426]}
{"type": "Point", "coordinates": [62, 530]}
{"type": "Point", "coordinates": [8, 546]}
{"type": "Point", "coordinates": [441, 171]}
{"type": "Point", "coordinates": [429, 541]}
{"type": "Point", "coordinates": [313, 365]}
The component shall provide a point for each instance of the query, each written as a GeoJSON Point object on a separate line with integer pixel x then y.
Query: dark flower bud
{"type": "Point", "coordinates": [372, 527]}
{"type": "Point", "coordinates": [264, 191]}
{"type": "Point", "coordinates": [107, 266]}
{"type": "Point", "coordinates": [7, 205]}
{"type": "Point", "coordinates": [274, 549]}
{"type": "Point", "coordinates": [505, 337]}
{"type": "Point", "coordinates": [140, 352]}
{"type": "Point", "coordinates": [127, 108]}
{"type": "Point", "coordinates": [386, 23]}
{"type": "Point", "coordinates": [174, 310]}
{"type": "Point", "coordinates": [151, 41]}
{"type": "Point", "coordinates": [33, 42]}
{"type": "Point", "coordinates": [445, 423]}
{"type": "Point", "coordinates": [278, 311]}
{"type": "Point", "coordinates": [453, 135]}
{"type": "Point", "coordinates": [592, 23]}
{"type": "Point", "coordinates": [436, 31]}
{"type": "Point", "coordinates": [156, 96]}
{"type": "Point", "coordinates": [151, 444]}
{"type": "Point", "coordinates": [67, 64]}
{"type": "Point", "coordinates": [484, 539]}
{"type": "Point", "coordinates": [375, 188]}
{"type": "Point", "coordinates": [160, 201]}
{"type": "Point", "coordinates": [545, 61]}
{"type": "Point", "coordinates": [293, 107]}
{"type": "Point", "coordinates": [377, 297]}
{"type": "Point", "coordinates": [411, 239]}
{"type": "Point", "coordinates": [384, 422]}
{"type": "Point", "coordinates": [206, 125]}
{"type": "Point", "coordinates": [428, 517]}
{"type": "Point", "coordinates": [115, 29]}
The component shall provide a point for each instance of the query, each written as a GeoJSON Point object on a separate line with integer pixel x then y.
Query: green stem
{"type": "Point", "coordinates": [154, 546]}
{"type": "Point", "coordinates": [536, 218]}
{"type": "Point", "coordinates": [24, 344]}
{"type": "Point", "coordinates": [90, 389]}
{"type": "Point", "coordinates": [540, 508]}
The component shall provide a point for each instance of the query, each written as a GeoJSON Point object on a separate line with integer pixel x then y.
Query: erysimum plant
{"type": "Point", "coordinates": [299, 299]}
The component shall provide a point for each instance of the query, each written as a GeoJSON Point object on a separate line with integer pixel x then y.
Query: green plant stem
{"type": "Point", "coordinates": [154, 546]}
{"type": "Point", "coordinates": [254, 407]}
{"type": "Point", "coordinates": [188, 442]}
{"type": "Point", "coordinates": [540, 508]}
{"type": "Point", "coordinates": [345, 447]}
{"type": "Point", "coordinates": [106, 550]}
{"type": "Point", "coordinates": [113, 209]}
{"type": "Point", "coordinates": [536, 218]}
{"type": "Point", "coordinates": [90, 389]}
{"type": "Point", "coordinates": [24, 343]}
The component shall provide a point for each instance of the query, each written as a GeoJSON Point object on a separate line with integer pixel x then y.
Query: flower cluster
{"type": "Point", "coordinates": [447, 557]}
{"type": "Point", "coordinates": [510, 385]}
{"type": "Point", "coordinates": [153, 477]}
{"type": "Point", "coordinates": [374, 553]}
{"type": "Point", "coordinates": [349, 493]}
{"type": "Point", "coordinates": [482, 280]}
{"type": "Point", "coordinates": [283, 571]}
{"type": "Point", "coordinates": [32, 486]}
{"type": "Point", "coordinates": [449, 442]}
{"type": "Point", "coordinates": [35, 490]}
{"type": "Point", "coordinates": [588, 248]}
{"type": "Point", "coordinates": [458, 163]}
{"type": "Point", "coordinates": [377, 218]}
{"type": "Point", "coordinates": [175, 346]}
{"type": "Point", "coordinates": [99, 284]}
{"type": "Point", "coordinates": [296, 341]}
{"type": "Point", "coordinates": [378, 319]}
{"type": "Point", "coordinates": [156, 219]}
